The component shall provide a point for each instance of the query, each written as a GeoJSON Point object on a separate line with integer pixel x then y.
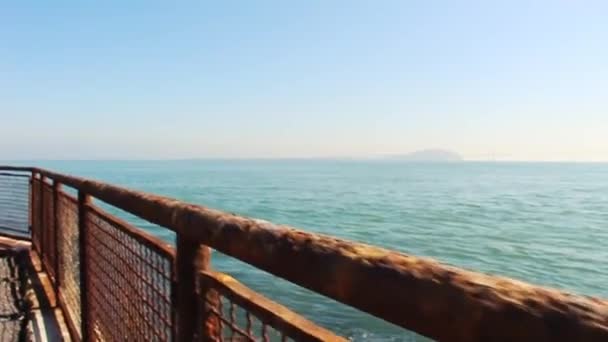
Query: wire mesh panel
{"type": "Point", "coordinates": [130, 282]}
{"type": "Point", "coordinates": [244, 315]}
{"type": "Point", "coordinates": [14, 203]}
{"type": "Point", "coordinates": [68, 254]}
{"type": "Point", "coordinates": [48, 229]}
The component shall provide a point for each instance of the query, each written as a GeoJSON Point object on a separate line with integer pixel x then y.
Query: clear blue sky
{"type": "Point", "coordinates": [139, 79]}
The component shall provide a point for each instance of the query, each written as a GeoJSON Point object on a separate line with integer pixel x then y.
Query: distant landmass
{"type": "Point", "coordinates": [437, 155]}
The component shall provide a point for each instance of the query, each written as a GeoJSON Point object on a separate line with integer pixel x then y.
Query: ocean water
{"type": "Point", "coordinates": [546, 223]}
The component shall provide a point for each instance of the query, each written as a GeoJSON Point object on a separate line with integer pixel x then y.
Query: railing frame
{"type": "Point", "coordinates": [41, 224]}
{"type": "Point", "coordinates": [435, 300]}
{"type": "Point", "coordinates": [57, 280]}
{"type": "Point", "coordinates": [83, 201]}
{"type": "Point", "coordinates": [191, 258]}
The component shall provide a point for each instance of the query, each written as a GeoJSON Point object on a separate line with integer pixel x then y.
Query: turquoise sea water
{"type": "Point", "coordinates": [545, 223]}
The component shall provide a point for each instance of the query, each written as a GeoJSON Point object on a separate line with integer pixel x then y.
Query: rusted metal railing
{"type": "Point", "coordinates": [116, 282]}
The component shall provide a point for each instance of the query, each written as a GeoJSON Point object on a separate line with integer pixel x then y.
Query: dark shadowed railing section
{"type": "Point", "coordinates": [116, 282]}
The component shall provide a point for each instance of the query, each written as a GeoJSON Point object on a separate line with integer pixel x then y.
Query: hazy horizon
{"type": "Point", "coordinates": [520, 81]}
{"type": "Point", "coordinates": [381, 158]}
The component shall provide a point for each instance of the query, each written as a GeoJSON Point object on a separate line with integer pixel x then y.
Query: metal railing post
{"type": "Point", "coordinates": [56, 189]}
{"type": "Point", "coordinates": [41, 223]}
{"type": "Point", "coordinates": [31, 207]}
{"type": "Point", "coordinates": [191, 258]}
{"type": "Point", "coordinates": [83, 201]}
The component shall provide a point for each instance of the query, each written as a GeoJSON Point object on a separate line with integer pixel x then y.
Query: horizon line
{"type": "Point", "coordinates": [332, 158]}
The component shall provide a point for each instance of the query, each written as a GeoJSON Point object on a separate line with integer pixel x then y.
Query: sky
{"type": "Point", "coordinates": [505, 80]}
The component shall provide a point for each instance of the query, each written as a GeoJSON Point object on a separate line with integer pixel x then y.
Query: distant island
{"type": "Point", "coordinates": [431, 155]}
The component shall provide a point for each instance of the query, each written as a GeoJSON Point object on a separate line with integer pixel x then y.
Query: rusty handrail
{"type": "Point", "coordinates": [419, 294]}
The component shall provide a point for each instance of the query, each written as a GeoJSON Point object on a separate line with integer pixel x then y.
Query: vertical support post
{"type": "Point", "coordinates": [56, 189]}
{"type": "Point", "coordinates": [83, 201]}
{"type": "Point", "coordinates": [191, 258]}
{"type": "Point", "coordinates": [41, 223]}
{"type": "Point", "coordinates": [31, 207]}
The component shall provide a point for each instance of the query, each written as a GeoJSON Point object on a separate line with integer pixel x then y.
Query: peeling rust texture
{"type": "Point", "coordinates": [419, 294]}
